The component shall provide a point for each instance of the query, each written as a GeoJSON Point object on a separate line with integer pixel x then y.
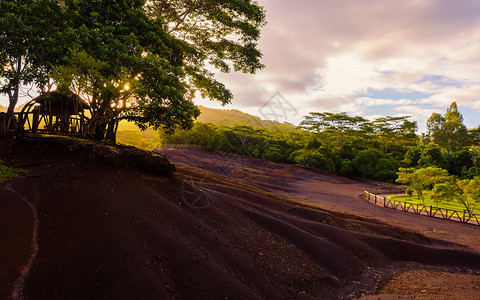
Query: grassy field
{"type": "Point", "coordinates": [454, 205]}
{"type": "Point", "coordinates": [129, 134]}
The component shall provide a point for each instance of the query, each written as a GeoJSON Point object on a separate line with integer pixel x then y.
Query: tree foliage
{"type": "Point", "coordinates": [366, 162]}
{"type": "Point", "coordinates": [126, 65]}
{"type": "Point", "coordinates": [445, 191]}
{"type": "Point", "coordinates": [337, 128]}
{"type": "Point", "coordinates": [142, 61]}
{"type": "Point", "coordinates": [29, 40]}
{"type": "Point", "coordinates": [360, 154]}
{"type": "Point", "coordinates": [448, 131]}
{"type": "Point", "coordinates": [420, 179]}
{"type": "Point", "coordinates": [464, 191]}
{"type": "Point", "coordinates": [218, 33]}
{"type": "Point", "coordinates": [390, 130]}
{"type": "Point", "coordinates": [340, 132]}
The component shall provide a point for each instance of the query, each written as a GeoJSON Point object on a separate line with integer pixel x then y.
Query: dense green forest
{"type": "Point", "coordinates": [341, 144]}
{"type": "Point", "coordinates": [443, 163]}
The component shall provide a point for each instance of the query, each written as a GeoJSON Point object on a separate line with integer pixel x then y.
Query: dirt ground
{"type": "Point", "coordinates": [221, 227]}
{"type": "Point", "coordinates": [342, 195]}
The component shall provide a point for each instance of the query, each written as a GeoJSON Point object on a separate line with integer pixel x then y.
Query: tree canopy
{"type": "Point", "coordinates": [218, 33]}
{"type": "Point", "coordinates": [448, 131]}
{"type": "Point", "coordinates": [143, 61]}
{"type": "Point", "coordinates": [28, 30]}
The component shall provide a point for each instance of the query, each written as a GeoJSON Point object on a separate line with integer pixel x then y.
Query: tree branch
{"type": "Point", "coordinates": [181, 17]}
{"type": "Point", "coordinates": [161, 7]}
{"type": "Point", "coordinates": [134, 118]}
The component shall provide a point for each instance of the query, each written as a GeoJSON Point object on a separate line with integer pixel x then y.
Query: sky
{"type": "Point", "coordinates": [367, 58]}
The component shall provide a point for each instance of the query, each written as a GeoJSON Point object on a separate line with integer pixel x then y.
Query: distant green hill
{"type": "Point", "coordinates": [231, 117]}
{"type": "Point", "coordinates": [17, 109]}
{"type": "Point", "coordinates": [129, 134]}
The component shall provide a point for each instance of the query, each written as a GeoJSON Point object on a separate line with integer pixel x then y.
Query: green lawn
{"type": "Point", "coordinates": [454, 205]}
{"type": "Point", "coordinates": [129, 134]}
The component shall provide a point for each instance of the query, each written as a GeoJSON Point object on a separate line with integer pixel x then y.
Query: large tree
{"type": "Point", "coordinates": [448, 131]}
{"type": "Point", "coordinates": [336, 128]}
{"type": "Point", "coordinates": [420, 179]}
{"type": "Point", "coordinates": [145, 61]}
{"type": "Point", "coordinates": [394, 131]}
{"type": "Point", "coordinates": [125, 65]}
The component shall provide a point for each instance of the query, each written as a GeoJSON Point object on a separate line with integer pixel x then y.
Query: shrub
{"type": "Point", "coordinates": [7, 173]}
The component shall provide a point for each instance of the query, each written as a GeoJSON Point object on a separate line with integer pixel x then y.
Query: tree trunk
{"type": "Point", "coordinates": [12, 123]}
{"type": "Point", "coordinates": [13, 100]}
{"type": "Point", "coordinates": [111, 132]}
{"type": "Point", "coordinates": [95, 127]}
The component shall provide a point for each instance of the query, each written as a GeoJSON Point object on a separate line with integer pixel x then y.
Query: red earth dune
{"type": "Point", "coordinates": [220, 227]}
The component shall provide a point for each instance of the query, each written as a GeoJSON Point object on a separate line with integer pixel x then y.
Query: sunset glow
{"type": "Point", "coordinates": [368, 58]}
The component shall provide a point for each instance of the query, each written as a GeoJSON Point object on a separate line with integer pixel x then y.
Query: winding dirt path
{"type": "Point", "coordinates": [25, 269]}
{"type": "Point", "coordinates": [343, 196]}
{"type": "Point", "coordinates": [18, 232]}
{"type": "Point", "coordinates": [337, 194]}
{"type": "Point", "coordinates": [222, 227]}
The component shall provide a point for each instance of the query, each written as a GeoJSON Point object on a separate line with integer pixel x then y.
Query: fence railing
{"type": "Point", "coordinates": [419, 209]}
{"type": "Point", "coordinates": [7, 123]}
{"type": "Point", "coordinates": [183, 146]}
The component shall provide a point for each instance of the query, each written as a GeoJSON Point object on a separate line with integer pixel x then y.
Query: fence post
{"type": "Point", "coordinates": [444, 213]}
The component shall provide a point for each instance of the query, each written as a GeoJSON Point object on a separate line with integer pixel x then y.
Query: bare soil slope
{"type": "Point", "coordinates": [221, 227]}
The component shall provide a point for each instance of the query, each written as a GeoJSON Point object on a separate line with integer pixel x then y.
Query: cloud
{"type": "Point", "coordinates": [329, 55]}
{"type": "Point", "coordinates": [3, 100]}
{"type": "Point", "coordinates": [365, 57]}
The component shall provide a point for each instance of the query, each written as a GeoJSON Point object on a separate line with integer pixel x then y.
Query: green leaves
{"type": "Point", "coordinates": [27, 29]}
{"type": "Point", "coordinates": [339, 131]}
{"type": "Point", "coordinates": [135, 60]}
{"type": "Point", "coordinates": [421, 179]}
{"type": "Point", "coordinates": [219, 33]}
{"type": "Point", "coordinates": [448, 131]}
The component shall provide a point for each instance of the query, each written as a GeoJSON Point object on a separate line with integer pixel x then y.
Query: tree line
{"type": "Point", "coordinates": [349, 145]}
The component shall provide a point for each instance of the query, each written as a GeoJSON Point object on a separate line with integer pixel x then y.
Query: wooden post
{"type": "Point", "coordinates": [430, 210]}
{"type": "Point", "coordinates": [3, 123]}
{"type": "Point", "coordinates": [36, 120]}
{"type": "Point", "coordinates": [9, 120]}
